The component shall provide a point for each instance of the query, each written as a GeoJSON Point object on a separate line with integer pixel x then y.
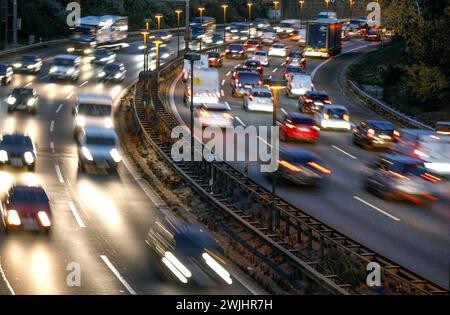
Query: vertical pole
{"type": "Point", "coordinates": [224, 24]}
{"type": "Point", "coordinates": [201, 25]}
{"type": "Point", "coordinates": [178, 33]}
{"type": "Point", "coordinates": [5, 21]}
{"type": "Point", "coordinates": [14, 23]}
{"type": "Point", "coordinates": [187, 33]}
{"type": "Point", "coordinates": [157, 55]}
{"type": "Point", "coordinates": [274, 174]}
{"type": "Point", "coordinates": [192, 113]}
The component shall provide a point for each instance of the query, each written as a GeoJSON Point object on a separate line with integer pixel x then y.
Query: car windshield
{"type": "Point", "coordinates": [295, 54]}
{"type": "Point", "coordinates": [382, 125]}
{"type": "Point", "coordinates": [28, 58]}
{"type": "Point", "coordinates": [302, 121]}
{"type": "Point", "coordinates": [249, 77]}
{"type": "Point", "coordinates": [265, 94]}
{"type": "Point", "coordinates": [408, 169]}
{"type": "Point", "coordinates": [294, 69]}
{"type": "Point", "coordinates": [99, 53]}
{"type": "Point", "coordinates": [336, 112]}
{"type": "Point", "coordinates": [100, 140]}
{"type": "Point", "coordinates": [94, 110]}
{"type": "Point", "coordinates": [236, 47]}
{"type": "Point", "coordinates": [278, 46]}
{"type": "Point", "coordinates": [22, 92]}
{"type": "Point", "coordinates": [252, 63]}
{"type": "Point", "coordinates": [2, 69]}
{"type": "Point", "coordinates": [112, 67]}
{"type": "Point", "coordinates": [261, 53]}
{"type": "Point", "coordinates": [16, 140]}
{"type": "Point", "coordinates": [253, 42]}
{"type": "Point", "coordinates": [318, 97]}
{"type": "Point", "coordinates": [28, 195]}
{"type": "Point", "coordinates": [63, 62]}
{"type": "Point", "coordinates": [214, 55]}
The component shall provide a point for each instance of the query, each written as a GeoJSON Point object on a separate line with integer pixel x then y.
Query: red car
{"type": "Point", "coordinates": [254, 65]}
{"type": "Point", "coordinates": [215, 59]}
{"type": "Point", "coordinates": [26, 208]}
{"type": "Point", "coordinates": [298, 127]}
{"type": "Point", "coordinates": [252, 45]}
{"type": "Point", "coordinates": [373, 35]}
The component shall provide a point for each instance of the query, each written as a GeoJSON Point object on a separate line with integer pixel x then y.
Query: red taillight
{"type": "Point", "coordinates": [319, 167]}
{"type": "Point", "coordinates": [420, 154]}
{"type": "Point", "coordinates": [289, 166]}
{"type": "Point", "coordinates": [327, 102]}
{"type": "Point", "coordinates": [308, 100]}
{"type": "Point", "coordinates": [316, 128]}
{"type": "Point", "coordinates": [430, 177]}
{"type": "Point", "coordinates": [291, 126]}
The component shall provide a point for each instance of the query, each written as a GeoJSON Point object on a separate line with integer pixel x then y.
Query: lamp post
{"type": "Point", "coordinates": [157, 42]}
{"type": "Point", "coordinates": [275, 5]}
{"type": "Point", "coordinates": [145, 33]}
{"type": "Point", "coordinates": [327, 2]}
{"type": "Point", "coordinates": [275, 85]}
{"type": "Point", "coordinates": [224, 7]}
{"type": "Point", "coordinates": [192, 57]}
{"type": "Point", "coordinates": [249, 5]}
{"type": "Point", "coordinates": [178, 12]}
{"type": "Point", "coordinates": [301, 3]}
{"type": "Point", "coordinates": [351, 3]}
{"type": "Point", "coordinates": [201, 9]}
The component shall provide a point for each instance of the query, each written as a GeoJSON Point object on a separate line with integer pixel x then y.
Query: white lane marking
{"type": "Point", "coordinates": [52, 147]}
{"type": "Point", "coordinates": [284, 111]}
{"type": "Point", "coordinates": [59, 108]}
{"type": "Point", "coordinates": [223, 82]}
{"type": "Point", "coordinates": [2, 273]}
{"type": "Point", "coordinates": [228, 73]}
{"type": "Point", "coordinates": [240, 121]}
{"type": "Point", "coordinates": [84, 83]}
{"type": "Point", "coordinates": [70, 95]}
{"type": "Point", "coordinates": [52, 125]}
{"type": "Point", "coordinates": [376, 208]}
{"type": "Point", "coordinates": [264, 141]}
{"type": "Point", "coordinates": [29, 84]}
{"type": "Point", "coordinates": [44, 77]}
{"type": "Point", "coordinates": [117, 274]}
{"type": "Point", "coordinates": [59, 174]}
{"type": "Point", "coordinates": [313, 73]}
{"type": "Point", "coordinates": [274, 70]}
{"type": "Point", "coordinates": [346, 153]}
{"type": "Point", "coordinates": [77, 216]}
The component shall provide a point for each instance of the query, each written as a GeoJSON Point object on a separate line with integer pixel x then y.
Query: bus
{"type": "Point", "coordinates": [203, 27]}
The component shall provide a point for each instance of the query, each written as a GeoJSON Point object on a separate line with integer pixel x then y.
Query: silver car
{"type": "Point", "coordinates": [259, 99]}
{"type": "Point", "coordinates": [262, 57]}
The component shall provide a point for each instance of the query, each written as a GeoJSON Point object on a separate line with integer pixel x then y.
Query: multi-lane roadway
{"type": "Point", "coordinates": [100, 222]}
{"type": "Point", "coordinates": [412, 236]}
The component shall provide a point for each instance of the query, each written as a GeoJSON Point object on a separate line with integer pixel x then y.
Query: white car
{"type": "Point", "coordinates": [278, 50]}
{"type": "Point", "coordinates": [262, 56]}
{"type": "Point", "coordinates": [298, 84]}
{"type": "Point", "coordinates": [259, 99]}
{"type": "Point", "coordinates": [214, 115]}
{"type": "Point", "coordinates": [65, 67]}
{"type": "Point", "coordinates": [333, 117]}
{"type": "Point", "coordinates": [98, 148]}
{"type": "Point", "coordinates": [269, 38]}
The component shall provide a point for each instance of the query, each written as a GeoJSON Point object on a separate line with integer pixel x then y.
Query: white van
{"type": "Point", "coordinates": [432, 147]}
{"type": "Point", "coordinates": [199, 64]}
{"type": "Point", "coordinates": [92, 110]}
{"type": "Point", "coordinates": [206, 87]}
{"type": "Point", "coordinates": [298, 84]}
{"type": "Point", "coordinates": [287, 27]}
{"type": "Point", "coordinates": [65, 67]}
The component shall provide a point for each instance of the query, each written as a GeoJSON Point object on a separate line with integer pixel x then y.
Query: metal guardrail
{"type": "Point", "coordinates": [304, 246]}
{"type": "Point", "coordinates": [381, 106]}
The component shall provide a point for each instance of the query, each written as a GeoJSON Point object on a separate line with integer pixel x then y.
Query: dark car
{"type": "Point", "coordinates": [374, 134]}
{"type": "Point", "coordinates": [252, 45]}
{"type": "Point", "coordinates": [244, 82]}
{"type": "Point", "coordinates": [26, 208]}
{"type": "Point", "coordinates": [239, 68]}
{"type": "Point", "coordinates": [313, 101]}
{"type": "Point", "coordinates": [235, 51]}
{"type": "Point", "coordinates": [28, 64]}
{"type": "Point", "coordinates": [215, 59]}
{"type": "Point", "coordinates": [373, 35]}
{"type": "Point", "coordinates": [6, 74]}
{"type": "Point", "coordinates": [103, 56]}
{"type": "Point", "coordinates": [400, 177]}
{"type": "Point", "coordinates": [17, 150]}
{"type": "Point", "coordinates": [187, 253]}
{"type": "Point", "coordinates": [298, 127]}
{"type": "Point", "coordinates": [254, 65]}
{"type": "Point", "coordinates": [296, 58]}
{"type": "Point", "coordinates": [113, 72]}
{"type": "Point", "coordinates": [291, 70]}
{"type": "Point", "coordinates": [302, 167]}
{"type": "Point", "coordinates": [23, 98]}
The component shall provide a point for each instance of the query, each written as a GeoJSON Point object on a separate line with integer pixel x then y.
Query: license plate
{"type": "Point", "coordinates": [16, 162]}
{"type": "Point", "coordinates": [318, 103]}
{"type": "Point", "coordinates": [248, 86]}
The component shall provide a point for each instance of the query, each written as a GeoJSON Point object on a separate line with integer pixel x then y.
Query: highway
{"type": "Point", "coordinates": [412, 236]}
{"type": "Point", "coordinates": [100, 222]}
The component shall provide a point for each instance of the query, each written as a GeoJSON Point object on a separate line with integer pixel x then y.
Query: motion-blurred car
{"type": "Point", "coordinates": [278, 50]}
{"type": "Point", "coordinates": [295, 36]}
{"type": "Point", "coordinates": [333, 117]}
{"type": "Point", "coordinates": [298, 84]}
{"type": "Point", "coordinates": [432, 147]}
{"type": "Point", "coordinates": [17, 150]}
{"type": "Point", "coordinates": [98, 148]}
{"type": "Point", "coordinates": [187, 253]}
{"type": "Point", "coordinates": [373, 35]}
{"type": "Point", "coordinates": [254, 65]}
{"type": "Point", "coordinates": [244, 82]}
{"type": "Point", "coordinates": [259, 99]}
{"type": "Point", "coordinates": [443, 127]}
{"type": "Point", "coordinates": [298, 127]}
{"type": "Point", "coordinates": [252, 45]}
{"type": "Point", "coordinates": [302, 167]}
{"type": "Point", "coordinates": [26, 208]}
{"type": "Point", "coordinates": [374, 134]}
{"type": "Point", "coordinates": [23, 99]}
{"type": "Point", "coordinates": [65, 67]}
{"type": "Point", "coordinates": [214, 115]}
{"type": "Point", "coordinates": [400, 177]}
{"type": "Point", "coordinates": [262, 56]}
{"type": "Point", "coordinates": [215, 59]}
{"type": "Point", "coordinates": [6, 74]}
{"type": "Point", "coordinates": [296, 59]}
{"type": "Point", "coordinates": [289, 71]}
{"type": "Point", "coordinates": [269, 37]}
{"type": "Point", "coordinates": [92, 110]}
{"type": "Point", "coordinates": [113, 72]}
{"type": "Point", "coordinates": [163, 36]}
{"type": "Point", "coordinates": [261, 23]}
{"type": "Point", "coordinates": [28, 64]}
{"type": "Point", "coordinates": [313, 101]}
{"type": "Point", "coordinates": [103, 56]}
{"type": "Point", "coordinates": [239, 68]}
{"type": "Point", "coordinates": [235, 51]}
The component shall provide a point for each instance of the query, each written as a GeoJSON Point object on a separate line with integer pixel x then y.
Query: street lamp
{"type": "Point", "coordinates": [178, 12]}
{"type": "Point", "coordinates": [157, 42]}
{"type": "Point", "coordinates": [192, 57]}
{"type": "Point", "coordinates": [275, 85]}
{"type": "Point", "coordinates": [327, 2]}
{"type": "Point", "coordinates": [147, 24]}
{"type": "Point", "coordinates": [249, 5]}
{"type": "Point", "coordinates": [145, 33]}
{"type": "Point", "coordinates": [275, 5]}
{"type": "Point", "coordinates": [301, 3]}
{"type": "Point", "coordinates": [351, 3]}
{"type": "Point", "coordinates": [224, 7]}
{"type": "Point", "coordinates": [201, 9]}
{"type": "Point", "coordinates": [159, 17]}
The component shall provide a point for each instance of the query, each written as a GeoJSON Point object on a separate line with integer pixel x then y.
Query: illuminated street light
{"type": "Point", "coordinates": [224, 7]}
{"type": "Point", "coordinates": [275, 5]}
{"type": "Point", "coordinates": [159, 17]}
{"type": "Point", "coordinates": [145, 33]}
{"type": "Point", "coordinates": [201, 9]}
{"type": "Point", "coordinates": [249, 5]}
{"type": "Point", "coordinates": [178, 12]}
{"type": "Point", "coordinates": [157, 42]}
{"type": "Point", "coordinates": [301, 3]}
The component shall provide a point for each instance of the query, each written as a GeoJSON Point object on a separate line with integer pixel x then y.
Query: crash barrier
{"type": "Point", "coordinates": [307, 254]}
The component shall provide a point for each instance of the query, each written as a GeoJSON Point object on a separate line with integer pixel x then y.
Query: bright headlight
{"type": "Point", "coordinates": [17, 65]}
{"type": "Point", "coordinates": [31, 66]}
{"type": "Point", "coordinates": [31, 102]}
{"type": "Point", "coordinates": [43, 217]}
{"type": "Point", "coordinates": [118, 75]}
{"type": "Point", "coordinates": [87, 51]}
{"type": "Point", "coordinates": [214, 265]}
{"type": "Point", "coordinates": [104, 59]}
{"type": "Point", "coordinates": [29, 158]}
{"type": "Point", "coordinates": [3, 156]}
{"type": "Point", "coordinates": [11, 100]}
{"type": "Point", "coordinates": [53, 69]}
{"type": "Point", "coordinates": [115, 155]}
{"type": "Point", "coordinates": [101, 74]}
{"type": "Point", "coordinates": [108, 123]}
{"type": "Point", "coordinates": [13, 217]}
{"type": "Point", "coordinates": [70, 49]}
{"type": "Point", "coordinates": [80, 121]}
{"type": "Point", "coordinates": [70, 71]}
{"type": "Point", "coordinates": [87, 154]}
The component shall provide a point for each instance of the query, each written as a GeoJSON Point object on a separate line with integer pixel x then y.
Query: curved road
{"type": "Point", "coordinates": [412, 236]}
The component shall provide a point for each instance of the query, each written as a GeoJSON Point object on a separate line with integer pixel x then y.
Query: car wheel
{"type": "Point", "coordinates": [33, 112]}
{"type": "Point", "coordinates": [355, 142]}
{"type": "Point", "coordinates": [31, 168]}
{"type": "Point", "coordinates": [10, 110]}
{"type": "Point", "coordinates": [47, 231]}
